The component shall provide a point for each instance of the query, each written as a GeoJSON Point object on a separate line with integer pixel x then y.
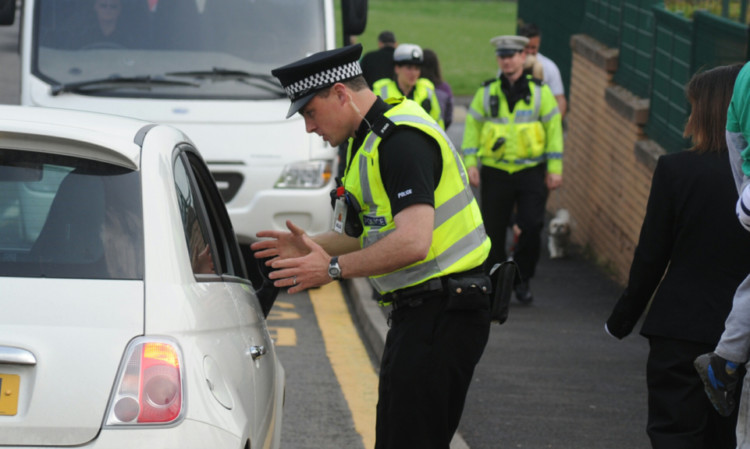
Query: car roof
{"type": "Point", "coordinates": [102, 137]}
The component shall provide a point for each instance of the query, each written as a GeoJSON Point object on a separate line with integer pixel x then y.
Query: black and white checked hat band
{"type": "Point", "coordinates": [323, 79]}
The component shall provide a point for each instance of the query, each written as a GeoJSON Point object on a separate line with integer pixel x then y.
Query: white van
{"type": "Point", "coordinates": [203, 66]}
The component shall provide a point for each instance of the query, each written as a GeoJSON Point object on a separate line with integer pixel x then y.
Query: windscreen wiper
{"type": "Point", "coordinates": [218, 73]}
{"type": "Point", "coordinates": [117, 82]}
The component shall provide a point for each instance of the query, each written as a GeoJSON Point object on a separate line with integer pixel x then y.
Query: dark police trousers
{"type": "Point", "coordinates": [525, 190]}
{"type": "Point", "coordinates": [428, 362]}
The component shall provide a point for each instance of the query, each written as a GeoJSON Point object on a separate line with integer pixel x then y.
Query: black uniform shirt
{"type": "Point", "coordinates": [518, 91]}
{"type": "Point", "coordinates": [410, 161]}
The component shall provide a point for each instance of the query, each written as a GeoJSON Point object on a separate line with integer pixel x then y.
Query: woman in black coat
{"type": "Point", "coordinates": [691, 256]}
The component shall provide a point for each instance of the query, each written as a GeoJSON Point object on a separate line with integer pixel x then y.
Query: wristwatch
{"type": "Point", "coordinates": [334, 270]}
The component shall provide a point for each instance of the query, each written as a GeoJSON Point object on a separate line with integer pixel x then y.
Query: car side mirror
{"type": "Point", "coordinates": [258, 272]}
{"type": "Point", "coordinates": [266, 291]}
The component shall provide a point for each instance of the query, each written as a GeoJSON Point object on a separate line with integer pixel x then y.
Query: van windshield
{"type": "Point", "coordinates": [222, 49]}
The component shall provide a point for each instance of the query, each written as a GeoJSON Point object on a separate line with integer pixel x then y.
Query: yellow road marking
{"type": "Point", "coordinates": [283, 336]}
{"type": "Point", "coordinates": [282, 315]}
{"type": "Point", "coordinates": [348, 357]}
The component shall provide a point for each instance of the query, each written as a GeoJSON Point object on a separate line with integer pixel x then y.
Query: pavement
{"type": "Point", "coordinates": [550, 376]}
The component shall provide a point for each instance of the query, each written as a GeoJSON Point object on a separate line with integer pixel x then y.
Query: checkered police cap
{"type": "Point", "coordinates": [304, 78]}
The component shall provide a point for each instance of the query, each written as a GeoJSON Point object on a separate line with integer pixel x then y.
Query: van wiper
{"type": "Point", "coordinates": [218, 73]}
{"type": "Point", "coordinates": [117, 82]}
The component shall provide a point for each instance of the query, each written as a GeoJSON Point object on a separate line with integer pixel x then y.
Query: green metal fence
{"type": "Point", "coordinates": [660, 49]}
{"type": "Point", "coordinates": [636, 46]}
{"type": "Point", "coordinates": [558, 22]}
{"type": "Point", "coordinates": [602, 21]}
{"type": "Point", "coordinates": [718, 41]}
{"type": "Point", "coordinates": [672, 69]}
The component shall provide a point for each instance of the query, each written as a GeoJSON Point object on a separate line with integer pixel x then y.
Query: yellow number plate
{"type": "Point", "coordinates": [9, 384]}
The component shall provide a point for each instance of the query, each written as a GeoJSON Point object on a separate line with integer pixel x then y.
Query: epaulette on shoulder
{"type": "Point", "coordinates": [383, 127]}
{"type": "Point", "coordinates": [489, 81]}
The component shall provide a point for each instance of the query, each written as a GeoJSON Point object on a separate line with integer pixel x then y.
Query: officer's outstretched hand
{"type": "Point", "coordinates": [300, 273]}
{"type": "Point", "coordinates": [473, 176]}
{"type": "Point", "coordinates": [281, 244]}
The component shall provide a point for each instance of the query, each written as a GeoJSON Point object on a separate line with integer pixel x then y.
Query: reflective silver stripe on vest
{"type": "Point", "coordinates": [547, 117]}
{"type": "Point", "coordinates": [534, 117]}
{"type": "Point", "coordinates": [374, 233]}
{"type": "Point", "coordinates": [384, 91]}
{"type": "Point", "coordinates": [525, 161]}
{"type": "Point", "coordinates": [477, 115]}
{"type": "Point", "coordinates": [480, 118]}
{"type": "Point", "coordinates": [432, 268]}
{"type": "Point", "coordinates": [487, 111]}
{"type": "Point", "coordinates": [470, 151]}
{"type": "Point", "coordinates": [453, 206]}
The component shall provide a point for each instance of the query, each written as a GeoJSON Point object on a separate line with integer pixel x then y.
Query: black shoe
{"type": "Point", "coordinates": [523, 293]}
{"type": "Point", "coordinates": [720, 380]}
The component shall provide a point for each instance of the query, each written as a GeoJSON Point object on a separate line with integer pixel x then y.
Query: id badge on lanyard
{"type": "Point", "coordinates": [339, 214]}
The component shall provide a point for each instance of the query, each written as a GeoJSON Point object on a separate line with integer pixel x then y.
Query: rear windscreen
{"type": "Point", "coordinates": [65, 217]}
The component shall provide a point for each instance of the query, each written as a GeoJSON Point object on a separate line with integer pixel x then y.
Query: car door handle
{"type": "Point", "coordinates": [257, 352]}
{"type": "Point", "coordinates": [16, 356]}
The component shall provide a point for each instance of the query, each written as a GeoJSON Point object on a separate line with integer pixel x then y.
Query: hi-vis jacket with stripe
{"type": "Point", "coordinates": [512, 141]}
{"type": "Point", "coordinates": [423, 93]}
{"type": "Point", "coordinates": [459, 241]}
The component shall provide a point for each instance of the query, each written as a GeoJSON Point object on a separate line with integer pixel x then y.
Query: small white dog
{"type": "Point", "coordinates": [559, 234]}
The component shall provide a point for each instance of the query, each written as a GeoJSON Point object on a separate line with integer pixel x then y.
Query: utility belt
{"type": "Point", "coordinates": [466, 283]}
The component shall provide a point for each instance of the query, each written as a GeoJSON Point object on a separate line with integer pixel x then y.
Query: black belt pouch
{"type": "Point", "coordinates": [468, 292]}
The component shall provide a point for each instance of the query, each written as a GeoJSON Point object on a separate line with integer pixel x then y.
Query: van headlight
{"type": "Point", "coordinates": [305, 175]}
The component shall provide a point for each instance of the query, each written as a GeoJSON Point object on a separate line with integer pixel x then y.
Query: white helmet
{"type": "Point", "coordinates": [408, 54]}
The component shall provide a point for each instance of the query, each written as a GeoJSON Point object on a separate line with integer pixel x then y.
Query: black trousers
{"type": "Point", "coordinates": [501, 192]}
{"type": "Point", "coordinates": [680, 416]}
{"type": "Point", "coordinates": [426, 369]}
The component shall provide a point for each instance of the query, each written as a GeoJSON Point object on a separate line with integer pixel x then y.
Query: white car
{"type": "Point", "coordinates": [127, 316]}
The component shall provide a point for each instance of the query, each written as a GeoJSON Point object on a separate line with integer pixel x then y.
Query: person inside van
{"type": "Point", "coordinates": [104, 29]}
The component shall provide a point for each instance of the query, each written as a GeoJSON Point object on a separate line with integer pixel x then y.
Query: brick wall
{"type": "Point", "coordinates": [608, 162]}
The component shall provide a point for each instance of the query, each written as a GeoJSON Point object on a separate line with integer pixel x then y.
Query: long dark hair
{"type": "Point", "coordinates": [709, 94]}
{"type": "Point", "coordinates": [431, 67]}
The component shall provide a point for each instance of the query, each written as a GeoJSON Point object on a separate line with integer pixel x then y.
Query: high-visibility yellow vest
{"type": "Point", "coordinates": [459, 240]}
{"type": "Point", "coordinates": [511, 141]}
{"type": "Point", "coordinates": [423, 94]}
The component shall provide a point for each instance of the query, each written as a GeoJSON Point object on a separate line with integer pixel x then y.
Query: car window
{"type": "Point", "coordinates": [220, 224]}
{"type": "Point", "coordinates": [210, 239]}
{"type": "Point", "coordinates": [193, 223]}
{"type": "Point", "coordinates": [65, 217]}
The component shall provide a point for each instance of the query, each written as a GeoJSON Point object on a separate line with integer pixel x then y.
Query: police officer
{"type": "Point", "coordinates": [407, 81]}
{"type": "Point", "coordinates": [514, 131]}
{"type": "Point", "coordinates": [406, 219]}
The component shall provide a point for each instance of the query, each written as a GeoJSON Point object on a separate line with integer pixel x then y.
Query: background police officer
{"type": "Point", "coordinates": [419, 239]}
{"type": "Point", "coordinates": [513, 128]}
{"type": "Point", "coordinates": [407, 81]}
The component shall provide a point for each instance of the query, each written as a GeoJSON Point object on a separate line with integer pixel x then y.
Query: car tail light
{"type": "Point", "coordinates": [149, 388]}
